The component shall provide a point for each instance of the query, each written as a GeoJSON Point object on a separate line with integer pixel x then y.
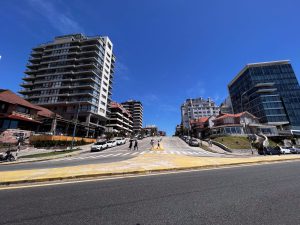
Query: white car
{"type": "Point", "coordinates": [111, 144]}
{"type": "Point", "coordinates": [99, 146]}
{"type": "Point", "coordinates": [284, 150]}
{"type": "Point", "coordinates": [120, 141]}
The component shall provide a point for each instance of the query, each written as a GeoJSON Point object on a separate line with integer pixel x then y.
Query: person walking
{"type": "Point", "coordinates": [152, 143]}
{"type": "Point", "coordinates": [158, 144]}
{"type": "Point", "coordinates": [136, 145]}
{"type": "Point", "coordinates": [130, 144]}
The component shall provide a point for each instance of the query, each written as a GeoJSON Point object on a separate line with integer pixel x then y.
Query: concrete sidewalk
{"type": "Point", "coordinates": [22, 153]}
{"type": "Point", "coordinates": [142, 164]}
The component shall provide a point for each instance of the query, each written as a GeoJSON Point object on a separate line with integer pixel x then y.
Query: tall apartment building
{"type": "Point", "coordinates": [120, 119]}
{"type": "Point", "coordinates": [73, 73]}
{"type": "Point", "coordinates": [135, 108]}
{"type": "Point", "coordinates": [195, 108]}
{"type": "Point", "coordinates": [270, 91]}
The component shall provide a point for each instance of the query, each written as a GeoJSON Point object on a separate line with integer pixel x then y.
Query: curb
{"type": "Point", "coordinates": [138, 172]}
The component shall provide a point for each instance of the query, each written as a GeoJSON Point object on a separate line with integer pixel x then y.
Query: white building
{"type": "Point", "coordinates": [196, 108]}
{"type": "Point", "coordinates": [72, 73]}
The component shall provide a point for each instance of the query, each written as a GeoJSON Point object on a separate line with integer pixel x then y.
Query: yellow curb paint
{"type": "Point", "coordinates": [140, 164]}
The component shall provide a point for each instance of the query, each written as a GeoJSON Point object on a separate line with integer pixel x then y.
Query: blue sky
{"type": "Point", "coordinates": [167, 50]}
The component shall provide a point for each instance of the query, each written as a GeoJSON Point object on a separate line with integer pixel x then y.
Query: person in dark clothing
{"type": "Point", "coordinates": [136, 145]}
{"type": "Point", "coordinates": [130, 144]}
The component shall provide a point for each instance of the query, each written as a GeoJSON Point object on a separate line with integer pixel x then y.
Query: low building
{"type": "Point", "coordinates": [150, 130]}
{"type": "Point", "coordinates": [17, 117]}
{"type": "Point", "coordinates": [240, 124]}
{"type": "Point", "coordinates": [120, 120]}
{"type": "Point", "coordinates": [200, 127]}
{"type": "Point", "coordinates": [162, 133]}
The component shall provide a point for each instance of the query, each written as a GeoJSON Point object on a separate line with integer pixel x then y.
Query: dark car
{"type": "Point", "coordinates": [270, 151]}
{"type": "Point", "coordinates": [194, 142]}
{"type": "Point", "coordinates": [295, 150]}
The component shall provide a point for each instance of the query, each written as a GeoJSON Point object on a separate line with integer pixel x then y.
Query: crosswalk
{"type": "Point", "coordinates": [108, 154]}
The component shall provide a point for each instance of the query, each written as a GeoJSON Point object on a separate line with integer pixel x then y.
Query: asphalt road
{"type": "Point", "coordinates": [264, 194]}
{"type": "Point", "coordinates": [172, 145]}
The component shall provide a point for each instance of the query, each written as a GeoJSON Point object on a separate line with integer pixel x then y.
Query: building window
{"type": "Point", "coordinates": [22, 109]}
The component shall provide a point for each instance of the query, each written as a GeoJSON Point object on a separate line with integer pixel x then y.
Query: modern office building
{"type": "Point", "coordinates": [120, 120]}
{"type": "Point", "coordinates": [72, 76]}
{"type": "Point", "coordinates": [270, 91]}
{"type": "Point", "coordinates": [135, 108]}
{"type": "Point", "coordinates": [193, 109]}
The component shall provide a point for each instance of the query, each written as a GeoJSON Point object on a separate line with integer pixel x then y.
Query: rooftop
{"type": "Point", "coordinates": [249, 65]}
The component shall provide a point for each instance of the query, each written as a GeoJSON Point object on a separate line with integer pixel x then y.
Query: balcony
{"type": "Point", "coordinates": [36, 53]}
{"type": "Point", "coordinates": [25, 90]}
{"type": "Point", "coordinates": [30, 71]}
{"type": "Point", "coordinates": [28, 78]}
{"type": "Point", "coordinates": [26, 84]}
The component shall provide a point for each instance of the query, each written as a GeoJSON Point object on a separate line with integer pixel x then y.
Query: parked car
{"type": "Point", "coordinates": [270, 151]}
{"type": "Point", "coordinates": [99, 146]}
{"type": "Point", "coordinates": [295, 150]}
{"type": "Point", "coordinates": [187, 139]}
{"type": "Point", "coordinates": [111, 144]}
{"type": "Point", "coordinates": [140, 137]}
{"type": "Point", "coordinates": [194, 142]}
{"type": "Point", "coordinates": [120, 141]}
{"type": "Point", "coordinates": [283, 150]}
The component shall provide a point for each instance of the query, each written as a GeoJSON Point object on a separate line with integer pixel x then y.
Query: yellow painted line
{"type": "Point", "coordinates": [139, 175]}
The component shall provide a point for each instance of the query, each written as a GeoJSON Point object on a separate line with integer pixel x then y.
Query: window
{"type": "Point", "coordinates": [3, 107]}
{"type": "Point", "coordinates": [22, 109]}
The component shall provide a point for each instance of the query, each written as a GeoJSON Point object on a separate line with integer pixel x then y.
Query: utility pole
{"type": "Point", "coordinates": [75, 126]}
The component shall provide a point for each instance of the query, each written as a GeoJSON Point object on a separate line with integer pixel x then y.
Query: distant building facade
{"type": "Point", "coordinates": [270, 91]}
{"type": "Point", "coordinates": [73, 73]}
{"type": "Point", "coordinates": [226, 106]}
{"type": "Point", "coordinates": [150, 130]}
{"type": "Point", "coordinates": [192, 109]}
{"type": "Point", "coordinates": [240, 124]}
{"type": "Point", "coordinates": [120, 120]}
{"type": "Point", "coordinates": [135, 108]}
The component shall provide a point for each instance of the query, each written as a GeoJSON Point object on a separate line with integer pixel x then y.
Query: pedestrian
{"type": "Point", "coordinates": [130, 144]}
{"type": "Point", "coordinates": [136, 145]}
{"type": "Point", "coordinates": [209, 143]}
{"type": "Point", "coordinates": [158, 144]}
{"type": "Point", "coordinates": [152, 143]}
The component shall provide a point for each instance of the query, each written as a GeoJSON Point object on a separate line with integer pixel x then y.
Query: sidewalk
{"type": "Point", "coordinates": [33, 151]}
{"type": "Point", "coordinates": [142, 164]}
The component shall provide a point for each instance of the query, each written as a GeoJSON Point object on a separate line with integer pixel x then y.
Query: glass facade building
{"type": "Point", "coordinates": [270, 91]}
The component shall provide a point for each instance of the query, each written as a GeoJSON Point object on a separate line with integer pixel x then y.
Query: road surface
{"type": "Point", "coordinates": [172, 145]}
{"type": "Point", "coordinates": [264, 194]}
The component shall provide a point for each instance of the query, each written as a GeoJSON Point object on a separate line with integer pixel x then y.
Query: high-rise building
{"type": "Point", "coordinates": [270, 91]}
{"type": "Point", "coordinates": [72, 75]}
{"type": "Point", "coordinates": [193, 109]}
{"type": "Point", "coordinates": [120, 120]}
{"type": "Point", "coordinates": [135, 108]}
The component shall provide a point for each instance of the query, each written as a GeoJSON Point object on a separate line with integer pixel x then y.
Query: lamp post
{"type": "Point", "coordinates": [75, 126]}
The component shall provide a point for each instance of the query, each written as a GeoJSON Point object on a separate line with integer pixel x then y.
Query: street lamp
{"type": "Point", "coordinates": [75, 126]}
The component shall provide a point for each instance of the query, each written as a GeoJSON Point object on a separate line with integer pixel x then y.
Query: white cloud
{"type": "Point", "coordinates": [56, 17]}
